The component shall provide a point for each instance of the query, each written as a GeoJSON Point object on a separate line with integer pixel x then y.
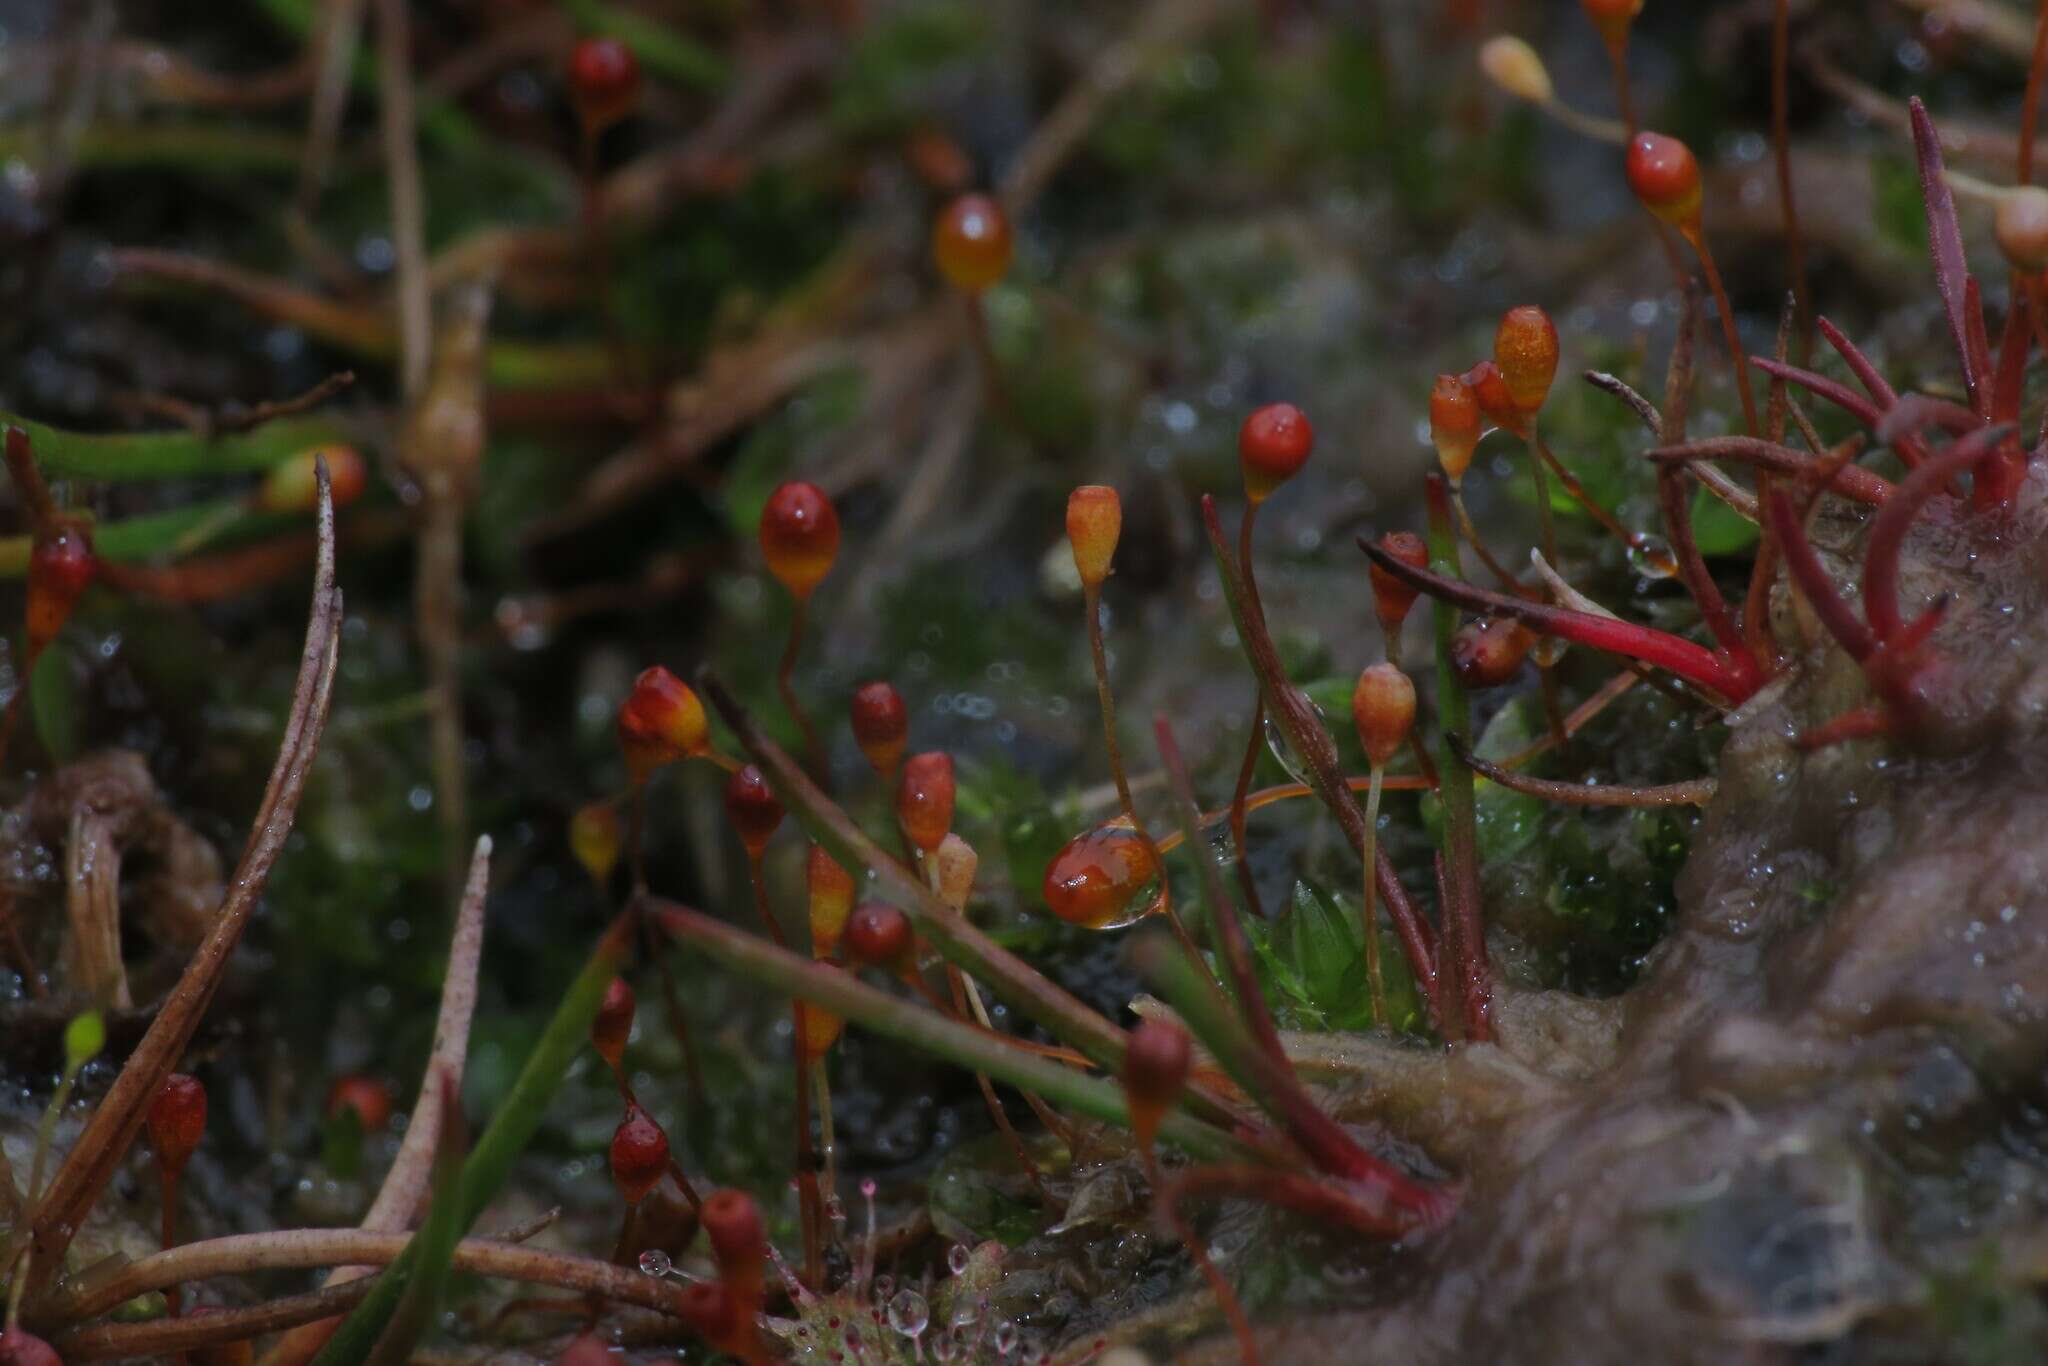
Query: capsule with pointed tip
{"type": "Point", "coordinates": [1525, 349]}
{"type": "Point", "coordinates": [881, 725]}
{"type": "Point", "coordinates": [660, 722]}
{"type": "Point", "coordinates": [61, 566]}
{"type": "Point", "coordinates": [612, 1026]}
{"type": "Point", "coordinates": [1157, 1058]}
{"type": "Point", "coordinates": [971, 243]}
{"type": "Point", "coordinates": [1383, 709]}
{"type": "Point", "coordinates": [604, 81]}
{"type": "Point", "coordinates": [799, 536]}
{"type": "Point", "coordinates": [752, 807]}
{"type": "Point", "coordinates": [596, 838]}
{"type": "Point", "coordinates": [369, 1098]}
{"type": "Point", "coordinates": [293, 484]}
{"type": "Point", "coordinates": [1272, 446]}
{"type": "Point", "coordinates": [1099, 879]}
{"type": "Point", "coordinates": [1453, 425]}
{"type": "Point", "coordinates": [1613, 18]}
{"type": "Point", "coordinates": [1095, 519]}
{"type": "Point", "coordinates": [1514, 66]}
{"type": "Point", "coordinates": [830, 901]}
{"type": "Point", "coordinates": [1666, 178]}
{"type": "Point", "coordinates": [639, 1154]}
{"type": "Point", "coordinates": [1496, 401]}
{"type": "Point", "coordinates": [924, 798]}
{"type": "Point", "coordinates": [821, 1027]}
{"type": "Point", "coordinates": [953, 866]}
{"type": "Point", "coordinates": [1393, 599]}
{"type": "Point", "coordinates": [176, 1121]}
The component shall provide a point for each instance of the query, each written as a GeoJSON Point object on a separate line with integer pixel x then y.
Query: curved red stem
{"type": "Point", "coordinates": [1888, 530]}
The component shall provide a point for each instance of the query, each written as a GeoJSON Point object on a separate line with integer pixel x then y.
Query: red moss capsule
{"type": "Point", "coordinates": [61, 566]}
{"type": "Point", "coordinates": [751, 806]}
{"type": "Point", "coordinates": [639, 1154]}
{"type": "Point", "coordinates": [1095, 519]}
{"type": "Point", "coordinates": [924, 798]}
{"type": "Point", "coordinates": [971, 243]}
{"type": "Point", "coordinates": [2020, 223]}
{"type": "Point", "coordinates": [660, 722]}
{"type": "Point", "coordinates": [368, 1097]}
{"type": "Point", "coordinates": [596, 836]}
{"type": "Point", "coordinates": [604, 81]}
{"type": "Point", "coordinates": [293, 485]}
{"type": "Point", "coordinates": [1487, 652]}
{"type": "Point", "coordinates": [18, 1347]}
{"type": "Point", "coordinates": [1453, 425]}
{"type": "Point", "coordinates": [1613, 18]}
{"type": "Point", "coordinates": [1097, 881]}
{"type": "Point", "coordinates": [881, 725]}
{"type": "Point", "coordinates": [176, 1121]}
{"type": "Point", "coordinates": [1383, 709]}
{"type": "Point", "coordinates": [799, 536]}
{"type": "Point", "coordinates": [1666, 178]}
{"type": "Point", "coordinates": [1525, 349]}
{"type": "Point", "coordinates": [1157, 1057]}
{"type": "Point", "coordinates": [1392, 599]}
{"type": "Point", "coordinates": [877, 936]}
{"type": "Point", "coordinates": [587, 1350]}
{"type": "Point", "coordinates": [613, 1023]}
{"type": "Point", "coordinates": [1272, 446]}
{"type": "Point", "coordinates": [739, 1242]}
{"type": "Point", "coordinates": [830, 889]}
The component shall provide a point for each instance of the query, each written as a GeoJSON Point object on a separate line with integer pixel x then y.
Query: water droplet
{"type": "Point", "coordinates": [1103, 880]}
{"type": "Point", "coordinates": [957, 1258]}
{"type": "Point", "coordinates": [1276, 741]}
{"type": "Point", "coordinates": [943, 1350]}
{"type": "Point", "coordinates": [908, 1314]}
{"type": "Point", "coordinates": [1650, 555]}
{"type": "Point", "coordinates": [1548, 650]}
{"type": "Point", "coordinates": [885, 1286]}
{"type": "Point", "coordinates": [654, 1262]}
{"type": "Point", "coordinates": [1005, 1338]}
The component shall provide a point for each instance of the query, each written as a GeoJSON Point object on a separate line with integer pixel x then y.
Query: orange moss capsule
{"type": "Point", "coordinates": [1487, 652]}
{"type": "Point", "coordinates": [368, 1097]}
{"type": "Point", "coordinates": [596, 837]}
{"type": "Point", "coordinates": [639, 1154]}
{"type": "Point", "coordinates": [821, 1028]}
{"type": "Point", "coordinates": [1272, 446]}
{"type": "Point", "coordinates": [1383, 709]}
{"type": "Point", "coordinates": [830, 889]}
{"type": "Point", "coordinates": [1454, 425]}
{"type": "Point", "coordinates": [1666, 178]}
{"type": "Point", "coordinates": [924, 798]}
{"type": "Point", "coordinates": [1095, 519]}
{"type": "Point", "coordinates": [2020, 223]}
{"type": "Point", "coordinates": [1157, 1058]}
{"type": "Point", "coordinates": [613, 1024]}
{"type": "Point", "coordinates": [1514, 66]}
{"type": "Point", "coordinates": [953, 866]}
{"type": "Point", "coordinates": [877, 936]}
{"type": "Point", "coordinates": [604, 81]}
{"type": "Point", "coordinates": [799, 536]}
{"type": "Point", "coordinates": [176, 1121]}
{"type": "Point", "coordinates": [660, 722]}
{"type": "Point", "coordinates": [1496, 401]}
{"type": "Point", "coordinates": [751, 806]}
{"type": "Point", "coordinates": [971, 243]}
{"type": "Point", "coordinates": [293, 484]}
{"type": "Point", "coordinates": [1392, 599]}
{"type": "Point", "coordinates": [1097, 881]}
{"type": "Point", "coordinates": [881, 725]}
{"type": "Point", "coordinates": [1525, 349]}
{"type": "Point", "coordinates": [61, 566]}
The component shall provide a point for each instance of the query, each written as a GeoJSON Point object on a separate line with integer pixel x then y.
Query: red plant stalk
{"type": "Point", "coordinates": [1464, 981]}
{"type": "Point", "coordinates": [1888, 529]}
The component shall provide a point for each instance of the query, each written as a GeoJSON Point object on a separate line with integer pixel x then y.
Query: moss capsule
{"type": "Point", "coordinates": [369, 1098]}
{"type": "Point", "coordinates": [1383, 709]}
{"type": "Point", "coordinates": [1453, 425]}
{"type": "Point", "coordinates": [799, 536]}
{"type": "Point", "coordinates": [596, 837]}
{"type": "Point", "coordinates": [1272, 446]}
{"type": "Point", "coordinates": [1157, 1058]}
{"type": "Point", "coordinates": [1525, 349]}
{"type": "Point", "coordinates": [924, 798]}
{"type": "Point", "coordinates": [830, 898]}
{"type": "Point", "coordinates": [2020, 223]}
{"type": "Point", "coordinates": [1514, 66]}
{"type": "Point", "coordinates": [1666, 178]}
{"type": "Point", "coordinates": [881, 725]}
{"type": "Point", "coordinates": [660, 722]}
{"type": "Point", "coordinates": [877, 936]}
{"type": "Point", "coordinates": [61, 566]}
{"type": "Point", "coordinates": [752, 807]}
{"type": "Point", "coordinates": [176, 1121]}
{"type": "Point", "coordinates": [639, 1154]}
{"type": "Point", "coordinates": [1095, 519]}
{"type": "Point", "coordinates": [1099, 879]}
{"type": "Point", "coordinates": [293, 484]}
{"type": "Point", "coordinates": [613, 1024]}
{"type": "Point", "coordinates": [1489, 651]}
{"type": "Point", "coordinates": [604, 81]}
{"type": "Point", "coordinates": [971, 243]}
{"type": "Point", "coordinates": [1393, 599]}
